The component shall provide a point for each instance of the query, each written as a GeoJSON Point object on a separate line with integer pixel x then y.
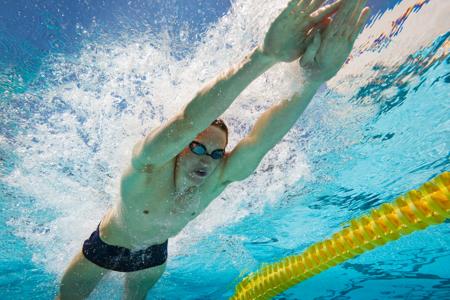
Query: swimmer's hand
{"type": "Point", "coordinates": [290, 33]}
{"type": "Point", "coordinates": [329, 50]}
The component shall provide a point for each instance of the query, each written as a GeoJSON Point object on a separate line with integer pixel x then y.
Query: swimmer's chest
{"type": "Point", "coordinates": [170, 215]}
{"type": "Point", "coordinates": [151, 196]}
{"type": "Point", "coordinates": [182, 207]}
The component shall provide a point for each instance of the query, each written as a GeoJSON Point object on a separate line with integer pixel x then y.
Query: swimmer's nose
{"type": "Point", "coordinates": [205, 161]}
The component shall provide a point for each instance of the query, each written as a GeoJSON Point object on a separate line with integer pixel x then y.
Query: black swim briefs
{"type": "Point", "coordinates": [122, 259]}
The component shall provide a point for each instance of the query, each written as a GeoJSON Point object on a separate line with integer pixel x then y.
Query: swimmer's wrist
{"type": "Point", "coordinates": [313, 81]}
{"type": "Point", "coordinates": [305, 93]}
{"type": "Point", "coordinates": [307, 87]}
{"type": "Point", "coordinates": [264, 57]}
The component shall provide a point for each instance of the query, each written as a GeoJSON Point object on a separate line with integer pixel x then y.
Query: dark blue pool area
{"type": "Point", "coordinates": [33, 29]}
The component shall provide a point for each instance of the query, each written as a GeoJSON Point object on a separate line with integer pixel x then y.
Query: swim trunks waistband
{"type": "Point", "coordinates": [122, 259]}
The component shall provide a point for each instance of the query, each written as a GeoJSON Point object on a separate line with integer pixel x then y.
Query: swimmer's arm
{"type": "Point", "coordinates": [167, 141]}
{"type": "Point", "coordinates": [321, 61]}
{"type": "Point", "coordinates": [268, 130]}
{"type": "Point", "coordinates": [286, 39]}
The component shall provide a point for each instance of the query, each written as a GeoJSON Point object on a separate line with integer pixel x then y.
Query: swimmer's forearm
{"type": "Point", "coordinates": [268, 130]}
{"type": "Point", "coordinates": [217, 96]}
{"type": "Point", "coordinates": [168, 140]}
{"type": "Point", "coordinates": [274, 123]}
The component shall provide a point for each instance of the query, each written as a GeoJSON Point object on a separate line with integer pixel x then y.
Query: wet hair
{"type": "Point", "coordinates": [221, 124]}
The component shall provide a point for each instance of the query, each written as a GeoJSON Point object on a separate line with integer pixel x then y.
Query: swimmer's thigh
{"type": "Point", "coordinates": [80, 278]}
{"type": "Point", "coordinates": [138, 283]}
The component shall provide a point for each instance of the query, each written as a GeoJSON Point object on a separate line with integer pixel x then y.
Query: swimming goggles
{"type": "Point", "coordinates": [200, 149]}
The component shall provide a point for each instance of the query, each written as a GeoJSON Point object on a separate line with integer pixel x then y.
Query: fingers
{"type": "Point", "coordinates": [311, 51]}
{"type": "Point", "coordinates": [342, 15]}
{"type": "Point", "coordinates": [350, 25]}
{"type": "Point", "coordinates": [357, 11]}
{"type": "Point", "coordinates": [290, 7]}
{"type": "Point", "coordinates": [325, 12]}
{"type": "Point", "coordinates": [315, 5]}
{"type": "Point", "coordinates": [310, 36]}
{"type": "Point", "coordinates": [302, 5]}
{"type": "Point", "coordinates": [320, 27]}
{"type": "Point", "coordinates": [323, 24]}
{"type": "Point", "coordinates": [360, 24]}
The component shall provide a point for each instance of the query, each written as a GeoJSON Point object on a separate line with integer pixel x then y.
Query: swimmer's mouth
{"type": "Point", "coordinates": [201, 173]}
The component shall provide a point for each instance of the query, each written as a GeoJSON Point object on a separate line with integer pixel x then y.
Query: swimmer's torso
{"type": "Point", "coordinates": [150, 211]}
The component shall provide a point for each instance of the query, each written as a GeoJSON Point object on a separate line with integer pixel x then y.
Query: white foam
{"type": "Point", "coordinates": [418, 31]}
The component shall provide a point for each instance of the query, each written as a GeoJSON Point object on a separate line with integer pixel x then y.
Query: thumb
{"type": "Point", "coordinates": [311, 51]}
{"type": "Point", "coordinates": [319, 27]}
{"type": "Point", "coordinates": [322, 25]}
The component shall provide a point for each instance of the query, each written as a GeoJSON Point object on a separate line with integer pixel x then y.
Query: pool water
{"type": "Point", "coordinates": [81, 83]}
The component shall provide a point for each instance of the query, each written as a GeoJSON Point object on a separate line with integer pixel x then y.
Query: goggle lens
{"type": "Point", "coordinates": [200, 149]}
{"type": "Point", "coordinates": [217, 154]}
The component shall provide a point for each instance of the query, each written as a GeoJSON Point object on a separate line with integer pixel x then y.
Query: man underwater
{"type": "Point", "coordinates": [180, 167]}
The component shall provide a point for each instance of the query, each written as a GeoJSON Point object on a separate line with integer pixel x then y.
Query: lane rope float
{"type": "Point", "coordinates": [416, 210]}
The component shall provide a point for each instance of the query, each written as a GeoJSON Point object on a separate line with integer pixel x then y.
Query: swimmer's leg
{"type": "Point", "coordinates": [138, 283]}
{"type": "Point", "coordinates": [80, 278]}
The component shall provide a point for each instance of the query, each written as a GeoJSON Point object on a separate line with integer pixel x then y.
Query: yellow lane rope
{"type": "Point", "coordinates": [418, 209]}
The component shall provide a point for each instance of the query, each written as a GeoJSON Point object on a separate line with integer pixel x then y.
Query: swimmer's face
{"type": "Point", "coordinates": [196, 168]}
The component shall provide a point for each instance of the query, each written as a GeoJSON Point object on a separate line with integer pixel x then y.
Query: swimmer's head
{"type": "Point", "coordinates": [196, 164]}
{"type": "Point", "coordinates": [221, 124]}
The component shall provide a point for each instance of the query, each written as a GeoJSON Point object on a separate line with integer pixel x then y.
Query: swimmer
{"type": "Point", "coordinates": [180, 167]}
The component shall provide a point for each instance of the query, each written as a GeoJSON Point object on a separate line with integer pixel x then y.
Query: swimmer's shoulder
{"type": "Point", "coordinates": [154, 180]}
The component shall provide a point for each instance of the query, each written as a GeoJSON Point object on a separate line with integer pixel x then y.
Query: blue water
{"type": "Point", "coordinates": [79, 82]}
